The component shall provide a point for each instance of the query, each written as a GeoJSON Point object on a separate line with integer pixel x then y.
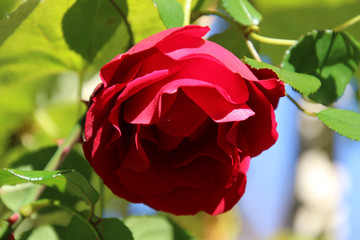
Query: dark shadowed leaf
{"type": "Point", "coordinates": [44, 232]}
{"type": "Point", "coordinates": [333, 57]}
{"type": "Point", "coordinates": [89, 24]}
{"type": "Point", "coordinates": [344, 122]}
{"type": "Point", "coordinates": [113, 229]}
{"type": "Point", "coordinates": [66, 181]}
{"type": "Point", "coordinates": [242, 11]}
{"type": "Point", "coordinates": [303, 83]}
{"type": "Point", "coordinates": [109, 228]}
{"type": "Point", "coordinates": [171, 12]}
{"type": "Point", "coordinates": [5, 229]}
{"type": "Point", "coordinates": [232, 40]}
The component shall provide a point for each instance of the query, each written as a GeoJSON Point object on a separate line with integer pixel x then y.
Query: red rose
{"type": "Point", "coordinates": [177, 119]}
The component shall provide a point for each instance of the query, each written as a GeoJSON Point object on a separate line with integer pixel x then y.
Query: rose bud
{"type": "Point", "coordinates": [176, 120]}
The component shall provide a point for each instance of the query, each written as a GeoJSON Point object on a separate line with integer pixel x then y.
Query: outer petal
{"type": "Point", "coordinates": [123, 62]}
{"type": "Point", "coordinates": [213, 50]}
{"type": "Point", "coordinates": [259, 130]}
{"type": "Point", "coordinates": [269, 84]}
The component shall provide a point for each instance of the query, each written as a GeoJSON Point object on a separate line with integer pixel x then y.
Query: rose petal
{"type": "Point", "coordinates": [183, 118]}
{"type": "Point", "coordinates": [179, 201]}
{"type": "Point", "coordinates": [149, 182]}
{"type": "Point", "coordinates": [136, 158]}
{"type": "Point", "coordinates": [193, 31]}
{"type": "Point", "coordinates": [269, 84]}
{"type": "Point", "coordinates": [215, 73]}
{"type": "Point", "coordinates": [98, 111]}
{"type": "Point", "coordinates": [211, 101]}
{"type": "Point", "coordinates": [222, 56]}
{"type": "Point", "coordinates": [259, 130]}
{"type": "Point", "coordinates": [222, 201]}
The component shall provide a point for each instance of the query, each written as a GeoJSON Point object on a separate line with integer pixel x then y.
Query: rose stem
{"type": "Point", "coordinates": [273, 41]}
{"type": "Point", "coordinates": [347, 23]}
{"type": "Point", "coordinates": [187, 12]}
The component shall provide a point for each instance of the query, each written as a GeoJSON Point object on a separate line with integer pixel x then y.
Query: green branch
{"type": "Point", "coordinates": [348, 23]}
{"type": "Point", "coordinates": [273, 41]}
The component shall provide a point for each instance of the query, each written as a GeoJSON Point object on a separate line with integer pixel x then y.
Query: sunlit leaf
{"type": "Point", "coordinates": [44, 232]}
{"type": "Point", "coordinates": [36, 48]}
{"type": "Point", "coordinates": [149, 227]}
{"type": "Point", "coordinates": [89, 24]}
{"type": "Point", "coordinates": [19, 195]}
{"type": "Point", "coordinates": [242, 11]}
{"type": "Point", "coordinates": [66, 181]}
{"type": "Point", "coordinates": [303, 83]}
{"type": "Point", "coordinates": [344, 122]}
{"type": "Point", "coordinates": [9, 25]}
{"type": "Point", "coordinates": [155, 228]}
{"type": "Point", "coordinates": [171, 12]}
{"type": "Point", "coordinates": [333, 57]}
{"type": "Point", "coordinates": [144, 19]}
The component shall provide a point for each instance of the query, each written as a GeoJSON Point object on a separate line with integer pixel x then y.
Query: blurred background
{"type": "Point", "coordinates": [305, 187]}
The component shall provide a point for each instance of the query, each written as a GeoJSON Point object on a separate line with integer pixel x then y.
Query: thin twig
{"type": "Point", "coordinates": [253, 51]}
{"type": "Point", "coordinates": [187, 12]}
{"type": "Point", "coordinates": [300, 107]}
{"type": "Point", "coordinates": [273, 41]}
{"type": "Point", "coordinates": [347, 24]}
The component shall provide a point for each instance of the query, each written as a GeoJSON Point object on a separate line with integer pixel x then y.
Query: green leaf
{"type": "Point", "coordinates": [171, 12]}
{"type": "Point", "coordinates": [44, 232]}
{"type": "Point", "coordinates": [232, 40]}
{"type": "Point", "coordinates": [333, 57]}
{"type": "Point", "coordinates": [149, 227]}
{"type": "Point", "coordinates": [303, 83]}
{"type": "Point", "coordinates": [118, 44]}
{"type": "Point", "coordinates": [36, 49]}
{"type": "Point", "coordinates": [114, 229]}
{"type": "Point", "coordinates": [16, 196]}
{"type": "Point", "coordinates": [109, 228]}
{"type": "Point", "coordinates": [344, 122]}
{"type": "Point", "coordinates": [19, 195]}
{"type": "Point", "coordinates": [242, 11]}
{"type": "Point", "coordinates": [66, 181]}
{"type": "Point", "coordinates": [89, 24]}
{"type": "Point", "coordinates": [78, 230]}
{"type": "Point", "coordinates": [144, 19]}
{"type": "Point", "coordinates": [5, 229]}
{"type": "Point", "coordinates": [9, 25]}
{"type": "Point", "coordinates": [155, 227]}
